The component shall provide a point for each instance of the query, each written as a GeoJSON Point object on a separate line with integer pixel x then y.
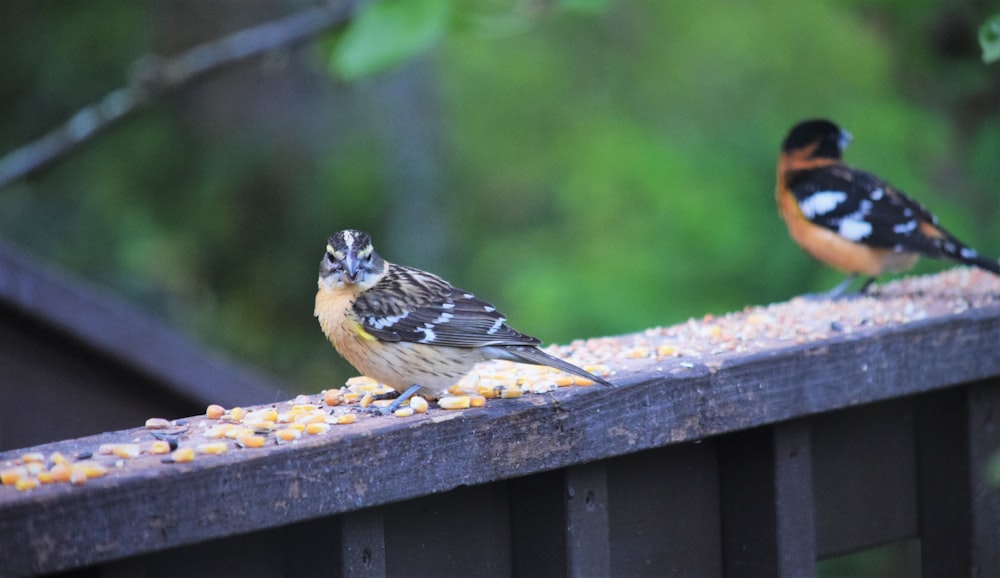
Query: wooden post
{"type": "Point", "coordinates": [587, 536]}
{"type": "Point", "coordinates": [767, 501]}
{"type": "Point", "coordinates": [363, 544]}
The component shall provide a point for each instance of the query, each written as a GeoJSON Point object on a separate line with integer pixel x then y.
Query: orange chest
{"type": "Point", "coordinates": [337, 319]}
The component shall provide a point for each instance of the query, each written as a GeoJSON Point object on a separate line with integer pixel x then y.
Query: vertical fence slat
{"type": "Point", "coordinates": [767, 501]}
{"type": "Point", "coordinates": [588, 549]}
{"type": "Point", "coordinates": [664, 517]}
{"type": "Point", "coordinates": [943, 483]}
{"type": "Point", "coordinates": [984, 446]}
{"type": "Point", "coordinates": [363, 543]}
{"type": "Point", "coordinates": [465, 531]}
{"type": "Point", "coordinates": [796, 531]}
{"type": "Point", "coordinates": [538, 524]}
{"type": "Point", "coordinates": [958, 438]}
{"type": "Point", "coordinates": [864, 477]}
{"type": "Point", "coordinates": [746, 484]}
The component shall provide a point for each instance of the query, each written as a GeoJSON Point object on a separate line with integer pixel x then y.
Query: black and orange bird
{"type": "Point", "coordinates": [411, 329]}
{"type": "Point", "coordinates": [853, 220]}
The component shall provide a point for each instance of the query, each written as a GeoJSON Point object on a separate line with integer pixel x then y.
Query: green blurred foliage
{"type": "Point", "coordinates": [989, 39]}
{"type": "Point", "coordinates": [411, 27]}
{"type": "Point", "coordinates": [896, 559]}
{"type": "Point", "coordinates": [600, 167]}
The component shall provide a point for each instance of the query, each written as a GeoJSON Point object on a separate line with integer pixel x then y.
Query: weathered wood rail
{"type": "Point", "coordinates": [754, 464]}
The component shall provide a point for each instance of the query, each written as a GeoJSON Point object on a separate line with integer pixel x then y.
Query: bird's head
{"type": "Point", "coordinates": [350, 259]}
{"type": "Point", "coordinates": [816, 139]}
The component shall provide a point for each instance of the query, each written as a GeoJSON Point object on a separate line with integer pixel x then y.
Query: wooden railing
{"type": "Point", "coordinates": [757, 462]}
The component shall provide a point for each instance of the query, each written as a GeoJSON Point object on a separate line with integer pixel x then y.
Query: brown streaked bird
{"type": "Point", "coordinates": [852, 220]}
{"type": "Point", "coordinates": [411, 329]}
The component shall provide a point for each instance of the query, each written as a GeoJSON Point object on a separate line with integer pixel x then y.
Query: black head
{"type": "Point", "coordinates": [350, 259]}
{"type": "Point", "coordinates": [817, 139]}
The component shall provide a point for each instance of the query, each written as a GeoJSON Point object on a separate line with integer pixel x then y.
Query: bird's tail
{"type": "Point", "coordinates": [932, 240]}
{"type": "Point", "coordinates": [991, 265]}
{"type": "Point", "coordinates": [535, 356]}
{"type": "Point", "coordinates": [957, 251]}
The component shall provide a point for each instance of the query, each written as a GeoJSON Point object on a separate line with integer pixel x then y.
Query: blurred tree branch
{"type": "Point", "coordinates": [152, 76]}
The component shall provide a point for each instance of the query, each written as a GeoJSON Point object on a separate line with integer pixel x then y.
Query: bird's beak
{"type": "Point", "coordinates": [352, 267]}
{"type": "Point", "coordinates": [845, 139]}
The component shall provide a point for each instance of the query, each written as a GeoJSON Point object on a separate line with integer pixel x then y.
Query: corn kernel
{"type": "Point", "coordinates": [360, 381]}
{"type": "Point", "coordinates": [215, 411]}
{"type": "Point", "coordinates": [511, 393]}
{"type": "Point", "coordinates": [237, 414]}
{"type": "Point", "coordinates": [637, 353]}
{"type": "Point", "coordinates": [300, 427]}
{"type": "Point", "coordinates": [487, 392]}
{"type": "Point", "coordinates": [58, 458]}
{"type": "Point", "coordinates": [347, 418]}
{"type": "Point", "coordinates": [25, 484]}
{"type": "Point", "coordinates": [302, 399]}
{"type": "Point", "coordinates": [183, 455]}
{"type": "Point", "coordinates": [311, 417]}
{"type": "Point", "coordinates": [404, 412]}
{"type": "Point", "coordinates": [317, 428]}
{"type": "Point", "coordinates": [418, 404]}
{"type": "Point", "coordinates": [596, 369]}
{"type": "Point", "coordinates": [219, 431]}
{"type": "Point", "coordinates": [477, 401]}
{"type": "Point", "coordinates": [45, 477]}
{"type": "Point", "coordinates": [538, 387]}
{"type": "Point", "coordinates": [287, 435]}
{"type": "Point", "coordinates": [157, 423]}
{"type": "Point", "coordinates": [269, 414]}
{"type": "Point", "coordinates": [159, 447]}
{"type": "Point", "coordinates": [34, 468]}
{"type": "Point", "coordinates": [563, 380]}
{"type": "Point", "coordinates": [33, 457]}
{"type": "Point", "coordinates": [61, 472]}
{"type": "Point", "coordinates": [260, 425]}
{"type": "Point", "coordinates": [455, 389]}
{"type": "Point", "coordinates": [90, 469]}
{"type": "Point", "coordinates": [214, 448]}
{"type": "Point", "coordinates": [366, 400]}
{"type": "Point", "coordinates": [331, 397]}
{"type": "Point", "coordinates": [454, 402]}
{"type": "Point", "coordinates": [583, 381]}
{"type": "Point", "coordinates": [667, 350]}
{"type": "Point", "coordinates": [238, 431]}
{"type": "Point", "coordinates": [506, 379]}
{"type": "Point", "coordinates": [251, 441]}
{"type": "Point", "coordinates": [126, 451]}
{"type": "Point", "coordinates": [11, 475]}
{"type": "Point", "coordinates": [78, 476]}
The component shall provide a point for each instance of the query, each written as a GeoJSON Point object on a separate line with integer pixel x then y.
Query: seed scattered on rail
{"type": "Point", "coordinates": [455, 402]}
{"type": "Point", "coordinates": [212, 449]}
{"type": "Point", "coordinates": [183, 455]}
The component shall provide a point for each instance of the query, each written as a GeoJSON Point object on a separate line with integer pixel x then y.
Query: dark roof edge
{"type": "Point", "coordinates": [114, 328]}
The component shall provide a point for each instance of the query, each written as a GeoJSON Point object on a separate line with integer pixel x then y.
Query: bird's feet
{"type": "Point", "coordinates": [396, 403]}
{"type": "Point", "coordinates": [840, 292]}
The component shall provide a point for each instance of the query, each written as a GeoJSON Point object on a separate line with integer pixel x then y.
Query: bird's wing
{"type": "Point", "coordinates": [862, 208]}
{"type": "Point", "coordinates": [408, 304]}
